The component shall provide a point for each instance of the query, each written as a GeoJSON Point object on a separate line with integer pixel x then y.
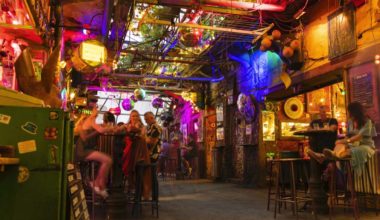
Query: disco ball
{"type": "Point", "coordinates": [139, 94]}
{"type": "Point", "coordinates": [128, 104]}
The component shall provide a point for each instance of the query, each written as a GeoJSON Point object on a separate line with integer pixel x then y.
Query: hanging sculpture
{"type": "Point", "coordinates": [46, 89]}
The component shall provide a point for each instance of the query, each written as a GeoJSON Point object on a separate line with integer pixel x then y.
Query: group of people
{"type": "Point", "coordinates": [358, 143]}
{"type": "Point", "coordinates": [142, 145]}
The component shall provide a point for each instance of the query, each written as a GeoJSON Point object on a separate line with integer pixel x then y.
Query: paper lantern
{"type": "Point", "coordinates": [139, 94]}
{"type": "Point", "coordinates": [266, 42]}
{"type": "Point", "coordinates": [295, 44]}
{"type": "Point", "coordinates": [157, 103]}
{"type": "Point", "coordinates": [276, 34]}
{"type": "Point", "coordinates": [128, 104]}
{"type": "Point", "coordinates": [262, 48]}
{"type": "Point", "coordinates": [287, 52]}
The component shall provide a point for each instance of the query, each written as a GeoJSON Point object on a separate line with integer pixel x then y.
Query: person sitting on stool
{"type": "Point", "coordinates": [88, 131]}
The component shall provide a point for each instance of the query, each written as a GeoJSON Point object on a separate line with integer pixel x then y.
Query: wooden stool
{"type": "Point", "coordinates": [293, 198]}
{"type": "Point", "coordinates": [334, 198]}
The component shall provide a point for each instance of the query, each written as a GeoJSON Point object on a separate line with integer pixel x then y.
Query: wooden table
{"type": "Point", "coordinates": [316, 188]}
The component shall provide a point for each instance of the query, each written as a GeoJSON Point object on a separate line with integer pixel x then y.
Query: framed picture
{"type": "Point", "coordinates": [342, 32]}
{"type": "Point", "coordinates": [317, 98]}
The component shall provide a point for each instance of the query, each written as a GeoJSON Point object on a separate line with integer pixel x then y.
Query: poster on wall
{"type": "Point", "coordinates": [362, 89]}
{"type": "Point", "coordinates": [220, 134]}
{"type": "Point", "coordinates": [230, 97]}
{"type": "Point", "coordinates": [219, 113]}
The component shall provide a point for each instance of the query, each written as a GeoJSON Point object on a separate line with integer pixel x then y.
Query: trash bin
{"type": "Point", "coordinates": [217, 162]}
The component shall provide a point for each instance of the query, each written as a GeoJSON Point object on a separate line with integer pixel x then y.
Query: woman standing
{"type": "Point", "coordinates": [136, 151]}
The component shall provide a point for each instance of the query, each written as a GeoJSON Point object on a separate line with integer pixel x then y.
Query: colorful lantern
{"type": "Point", "coordinates": [128, 104]}
{"type": "Point", "coordinates": [157, 103]}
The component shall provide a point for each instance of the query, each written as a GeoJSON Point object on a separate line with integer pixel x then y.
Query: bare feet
{"type": "Point", "coordinates": [330, 154]}
{"type": "Point", "coordinates": [316, 156]}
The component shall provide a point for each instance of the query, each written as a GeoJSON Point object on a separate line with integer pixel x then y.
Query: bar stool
{"type": "Point", "coordinates": [348, 181]}
{"type": "Point", "coordinates": [280, 196]}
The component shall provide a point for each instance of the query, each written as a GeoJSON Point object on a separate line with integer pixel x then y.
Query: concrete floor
{"type": "Point", "coordinates": [203, 199]}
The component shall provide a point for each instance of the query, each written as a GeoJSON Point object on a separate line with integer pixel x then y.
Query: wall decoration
{"type": "Point", "coordinates": [248, 107]}
{"type": "Point", "coordinates": [230, 97]}
{"type": "Point", "coordinates": [219, 113]}
{"type": "Point", "coordinates": [317, 98]}
{"type": "Point", "coordinates": [294, 108]}
{"type": "Point", "coordinates": [342, 34]}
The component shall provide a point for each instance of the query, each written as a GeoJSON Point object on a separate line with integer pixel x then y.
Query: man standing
{"type": "Point", "coordinates": [153, 135]}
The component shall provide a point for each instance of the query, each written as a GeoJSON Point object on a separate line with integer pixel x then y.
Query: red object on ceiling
{"type": "Point", "coordinates": [265, 5]}
{"type": "Point", "coordinates": [358, 3]}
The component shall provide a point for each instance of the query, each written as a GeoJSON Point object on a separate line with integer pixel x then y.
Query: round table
{"type": "Point", "coordinates": [316, 188]}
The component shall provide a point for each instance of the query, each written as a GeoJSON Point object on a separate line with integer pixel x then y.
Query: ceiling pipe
{"type": "Point", "coordinates": [108, 5]}
{"type": "Point", "coordinates": [264, 5]}
{"type": "Point", "coordinates": [198, 79]}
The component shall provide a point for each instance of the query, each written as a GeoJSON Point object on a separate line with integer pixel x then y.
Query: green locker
{"type": "Point", "coordinates": [42, 140]}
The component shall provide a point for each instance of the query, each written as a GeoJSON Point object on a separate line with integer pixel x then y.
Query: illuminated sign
{"type": "Point", "coordinates": [93, 53]}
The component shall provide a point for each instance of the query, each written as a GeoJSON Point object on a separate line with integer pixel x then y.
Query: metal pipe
{"type": "Point", "coordinates": [106, 19]}
{"type": "Point", "coordinates": [222, 29]}
{"type": "Point", "coordinates": [198, 79]}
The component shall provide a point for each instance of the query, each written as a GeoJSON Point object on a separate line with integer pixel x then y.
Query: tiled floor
{"type": "Point", "coordinates": [203, 199]}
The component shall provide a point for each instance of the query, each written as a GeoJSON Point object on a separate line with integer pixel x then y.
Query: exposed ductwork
{"type": "Point", "coordinates": [264, 5]}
